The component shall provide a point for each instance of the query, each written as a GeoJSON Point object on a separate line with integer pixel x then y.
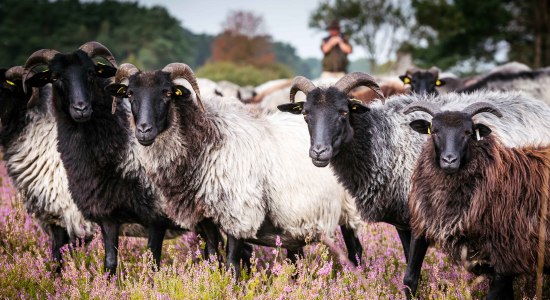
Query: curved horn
{"type": "Point", "coordinates": [424, 106]}
{"type": "Point", "coordinates": [124, 72]}
{"type": "Point", "coordinates": [300, 83]}
{"type": "Point", "coordinates": [479, 107]}
{"type": "Point", "coordinates": [435, 71]}
{"type": "Point", "coordinates": [180, 70]}
{"type": "Point", "coordinates": [94, 49]}
{"type": "Point", "coordinates": [411, 71]}
{"type": "Point", "coordinates": [353, 80]}
{"type": "Point", "coordinates": [17, 73]}
{"type": "Point", "coordinates": [39, 57]}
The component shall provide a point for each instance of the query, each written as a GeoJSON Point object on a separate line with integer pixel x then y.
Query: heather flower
{"type": "Point", "coordinates": [27, 272]}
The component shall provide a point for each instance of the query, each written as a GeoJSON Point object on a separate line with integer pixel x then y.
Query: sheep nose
{"type": "Point", "coordinates": [317, 150]}
{"type": "Point", "coordinates": [80, 107]}
{"type": "Point", "coordinates": [449, 158]}
{"type": "Point", "coordinates": [144, 128]}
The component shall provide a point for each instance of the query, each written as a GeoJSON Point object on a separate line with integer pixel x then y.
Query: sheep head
{"type": "Point", "coordinates": [452, 132]}
{"type": "Point", "coordinates": [151, 95]}
{"type": "Point", "coordinates": [72, 75]}
{"type": "Point", "coordinates": [327, 112]}
{"type": "Point", "coordinates": [13, 98]}
{"type": "Point", "coordinates": [423, 81]}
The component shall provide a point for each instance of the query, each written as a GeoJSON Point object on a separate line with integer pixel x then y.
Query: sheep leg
{"type": "Point", "coordinates": [247, 255]}
{"type": "Point", "coordinates": [501, 287]}
{"type": "Point", "coordinates": [419, 246]}
{"type": "Point", "coordinates": [405, 238]}
{"type": "Point", "coordinates": [60, 237]}
{"type": "Point", "coordinates": [212, 237]}
{"type": "Point", "coordinates": [355, 250]}
{"type": "Point", "coordinates": [234, 251]}
{"type": "Point", "coordinates": [294, 254]}
{"type": "Point", "coordinates": [110, 231]}
{"type": "Point", "coordinates": [154, 242]}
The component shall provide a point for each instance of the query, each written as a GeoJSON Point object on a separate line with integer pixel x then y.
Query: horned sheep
{"type": "Point", "coordinates": [372, 152]}
{"type": "Point", "coordinates": [105, 179]}
{"type": "Point", "coordinates": [477, 199]}
{"type": "Point", "coordinates": [248, 173]}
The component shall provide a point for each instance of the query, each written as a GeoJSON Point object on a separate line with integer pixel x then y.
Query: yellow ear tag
{"type": "Point", "coordinates": [354, 107]}
{"type": "Point", "coordinates": [178, 92]}
{"type": "Point", "coordinates": [430, 129]}
{"type": "Point", "coordinates": [100, 63]}
{"type": "Point", "coordinates": [9, 82]}
{"type": "Point", "coordinates": [406, 80]}
{"type": "Point", "coordinates": [438, 82]}
{"type": "Point", "coordinates": [45, 71]}
{"type": "Point", "coordinates": [356, 100]}
{"type": "Point", "coordinates": [100, 71]}
{"type": "Point", "coordinates": [120, 90]}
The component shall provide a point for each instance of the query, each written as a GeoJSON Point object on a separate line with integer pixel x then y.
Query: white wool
{"type": "Point", "coordinates": [263, 170]}
{"type": "Point", "coordinates": [40, 176]}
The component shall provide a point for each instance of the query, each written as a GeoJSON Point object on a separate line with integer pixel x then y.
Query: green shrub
{"type": "Point", "coordinates": [243, 74]}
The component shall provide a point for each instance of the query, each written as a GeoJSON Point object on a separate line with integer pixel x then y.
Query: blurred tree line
{"type": "Point", "coordinates": [245, 54]}
{"type": "Point", "coordinates": [148, 37]}
{"type": "Point", "coordinates": [461, 34]}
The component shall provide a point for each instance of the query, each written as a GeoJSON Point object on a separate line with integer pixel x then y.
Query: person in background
{"type": "Point", "coordinates": [335, 48]}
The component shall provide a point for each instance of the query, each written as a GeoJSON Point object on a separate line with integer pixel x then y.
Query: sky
{"type": "Point", "coordinates": [285, 20]}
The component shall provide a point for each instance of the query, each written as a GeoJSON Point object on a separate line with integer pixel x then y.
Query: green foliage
{"type": "Point", "coordinates": [462, 30]}
{"type": "Point", "coordinates": [286, 54]}
{"type": "Point", "coordinates": [474, 31]}
{"type": "Point", "coordinates": [147, 37]}
{"type": "Point", "coordinates": [243, 74]}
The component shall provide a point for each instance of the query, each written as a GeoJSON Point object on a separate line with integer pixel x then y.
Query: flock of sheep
{"type": "Point", "coordinates": [158, 153]}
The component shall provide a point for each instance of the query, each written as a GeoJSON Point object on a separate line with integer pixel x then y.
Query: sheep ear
{"type": "Point", "coordinates": [104, 71]}
{"type": "Point", "coordinates": [40, 79]}
{"type": "Point", "coordinates": [179, 91]}
{"type": "Point", "coordinates": [482, 129]}
{"type": "Point", "coordinates": [293, 108]}
{"type": "Point", "coordinates": [406, 79]}
{"type": "Point", "coordinates": [117, 90]}
{"type": "Point", "coordinates": [439, 82]}
{"type": "Point", "coordinates": [357, 107]}
{"type": "Point", "coordinates": [421, 126]}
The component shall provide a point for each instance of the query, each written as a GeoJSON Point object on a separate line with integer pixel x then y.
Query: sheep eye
{"type": "Point", "coordinates": [343, 113]}
{"type": "Point", "coordinates": [167, 93]}
{"type": "Point", "coordinates": [129, 94]}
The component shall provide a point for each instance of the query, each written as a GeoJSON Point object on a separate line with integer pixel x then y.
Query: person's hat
{"type": "Point", "coordinates": [334, 24]}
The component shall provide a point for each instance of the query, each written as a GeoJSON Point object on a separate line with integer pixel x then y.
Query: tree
{"type": "Point", "coordinates": [147, 37]}
{"type": "Point", "coordinates": [286, 54]}
{"type": "Point", "coordinates": [243, 41]}
{"type": "Point", "coordinates": [377, 25]}
{"type": "Point", "coordinates": [529, 32]}
{"type": "Point", "coordinates": [475, 31]}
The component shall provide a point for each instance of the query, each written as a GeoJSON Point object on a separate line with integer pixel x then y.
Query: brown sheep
{"type": "Point", "coordinates": [478, 200]}
{"type": "Point", "coordinates": [389, 88]}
